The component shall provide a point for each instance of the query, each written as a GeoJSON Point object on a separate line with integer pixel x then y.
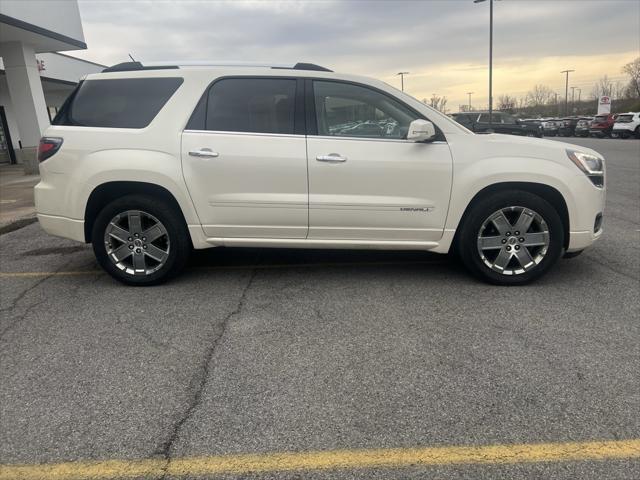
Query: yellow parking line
{"type": "Point", "coordinates": [230, 267]}
{"type": "Point", "coordinates": [49, 274]}
{"type": "Point", "coordinates": [327, 460]}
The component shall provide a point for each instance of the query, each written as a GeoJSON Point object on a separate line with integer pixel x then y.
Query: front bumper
{"type": "Point", "coordinates": [585, 223]}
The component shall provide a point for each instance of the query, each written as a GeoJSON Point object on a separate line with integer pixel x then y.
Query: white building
{"type": "Point", "coordinates": [34, 78]}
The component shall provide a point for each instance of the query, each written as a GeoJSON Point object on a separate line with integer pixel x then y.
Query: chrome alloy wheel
{"type": "Point", "coordinates": [513, 240]}
{"type": "Point", "coordinates": [137, 242]}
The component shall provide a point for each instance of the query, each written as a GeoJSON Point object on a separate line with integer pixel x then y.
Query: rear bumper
{"type": "Point", "coordinates": [62, 227]}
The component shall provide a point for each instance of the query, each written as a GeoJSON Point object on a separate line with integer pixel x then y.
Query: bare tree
{"type": "Point", "coordinates": [522, 103]}
{"type": "Point", "coordinates": [618, 91]}
{"type": "Point", "coordinates": [633, 70]}
{"type": "Point", "coordinates": [603, 87]}
{"type": "Point", "coordinates": [507, 103]}
{"type": "Point", "coordinates": [540, 95]}
{"type": "Point", "coordinates": [437, 102]}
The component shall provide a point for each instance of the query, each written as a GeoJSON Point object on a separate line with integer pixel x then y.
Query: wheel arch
{"type": "Point", "coordinates": [549, 193]}
{"type": "Point", "coordinates": [109, 191]}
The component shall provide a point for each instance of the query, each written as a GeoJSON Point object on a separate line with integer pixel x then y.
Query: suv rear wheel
{"type": "Point", "coordinates": [140, 240]}
{"type": "Point", "coordinates": [511, 238]}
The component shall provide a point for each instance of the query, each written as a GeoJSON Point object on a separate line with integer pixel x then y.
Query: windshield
{"type": "Point", "coordinates": [625, 119]}
{"type": "Point", "coordinates": [600, 118]}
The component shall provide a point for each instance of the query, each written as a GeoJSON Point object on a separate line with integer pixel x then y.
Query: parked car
{"type": "Point", "coordinates": [567, 126]}
{"type": "Point", "coordinates": [627, 125]}
{"type": "Point", "coordinates": [602, 125]}
{"type": "Point", "coordinates": [501, 123]}
{"type": "Point", "coordinates": [583, 127]}
{"type": "Point", "coordinates": [550, 127]}
{"type": "Point", "coordinates": [147, 162]}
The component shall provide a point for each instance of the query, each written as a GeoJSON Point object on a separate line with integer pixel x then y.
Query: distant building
{"type": "Point", "coordinates": [34, 78]}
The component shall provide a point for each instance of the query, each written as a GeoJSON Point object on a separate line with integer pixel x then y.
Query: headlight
{"type": "Point", "coordinates": [591, 165]}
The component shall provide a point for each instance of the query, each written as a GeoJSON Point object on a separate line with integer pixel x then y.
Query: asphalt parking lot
{"type": "Point", "coordinates": [343, 353]}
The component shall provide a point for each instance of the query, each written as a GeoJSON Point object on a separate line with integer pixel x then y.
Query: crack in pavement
{"type": "Point", "coordinates": [30, 307]}
{"type": "Point", "coordinates": [199, 379]}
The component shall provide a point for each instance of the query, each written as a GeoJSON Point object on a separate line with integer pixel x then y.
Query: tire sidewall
{"type": "Point", "coordinates": [178, 237]}
{"type": "Point", "coordinates": [478, 214]}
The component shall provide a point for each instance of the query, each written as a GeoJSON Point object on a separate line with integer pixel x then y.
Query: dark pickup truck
{"type": "Point", "coordinates": [501, 123]}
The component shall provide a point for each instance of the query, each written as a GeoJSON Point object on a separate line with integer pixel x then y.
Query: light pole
{"type": "Point", "coordinates": [579, 93]}
{"type": "Point", "coordinates": [470, 93]}
{"type": "Point", "coordinates": [490, 58]}
{"type": "Point", "coordinates": [566, 91]}
{"type": "Point", "coordinates": [402, 74]}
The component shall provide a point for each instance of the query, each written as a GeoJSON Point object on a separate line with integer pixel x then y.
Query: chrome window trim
{"type": "Point", "coordinates": [258, 134]}
{"type": "Point", "coordinates": [293, 135]}
{"type": "Point", "coordinates": [369, 139]}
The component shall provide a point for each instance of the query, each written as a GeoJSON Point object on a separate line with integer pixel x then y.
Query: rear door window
{"type": "Point", "coordinates": [508, 119]}
{"type": "Point", "coordinates": [259, 105]}
{"type": "Point", "coordinates": [118, 102]}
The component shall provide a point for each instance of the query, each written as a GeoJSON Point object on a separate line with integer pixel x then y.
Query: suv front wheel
{"type": "Point", "coordinates": [140, 240]}
{"type": "Point", "coordinates": [511, 238]}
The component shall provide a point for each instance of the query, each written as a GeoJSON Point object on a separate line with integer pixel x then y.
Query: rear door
{"type": "Point", "coordinates": [366, 182]}
{"type": "Point", "coordinates": [244, 158]}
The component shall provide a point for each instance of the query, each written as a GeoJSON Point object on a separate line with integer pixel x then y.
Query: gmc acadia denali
{"type": "Point", "coordinates": [147, 162]}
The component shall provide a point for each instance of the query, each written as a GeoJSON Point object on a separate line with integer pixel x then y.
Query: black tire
{"type": "Point", "coordinates": [177, 234]}
{"type": "Point", "coordinates": [482, 209]}
{"type": "Point", "coordinates": [638, 132]}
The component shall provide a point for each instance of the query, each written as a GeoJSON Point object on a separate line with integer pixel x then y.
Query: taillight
{"type": "Point", "coordinates": [48, 146]}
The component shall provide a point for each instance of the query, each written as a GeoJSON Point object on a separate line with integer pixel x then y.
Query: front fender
{"type": "Point", "coordinates": [471, 178]}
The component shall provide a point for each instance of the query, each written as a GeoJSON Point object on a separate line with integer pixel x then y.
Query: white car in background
{"type": "Point", "coordinates": [627, 125]}
{"type": "Point", "coordinates": [147, 162]}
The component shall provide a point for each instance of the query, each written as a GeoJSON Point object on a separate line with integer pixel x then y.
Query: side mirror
{"type": "Point", "coordinates": [421, 131]}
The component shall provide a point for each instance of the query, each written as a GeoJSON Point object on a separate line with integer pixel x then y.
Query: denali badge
{"type": "Point", "coordinates": [416, 209]}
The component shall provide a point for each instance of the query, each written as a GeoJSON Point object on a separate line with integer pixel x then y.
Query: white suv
{"type": "Point", "coordinates": [148, 162]}
{"type": "Point", "coordinates": [627, 125]}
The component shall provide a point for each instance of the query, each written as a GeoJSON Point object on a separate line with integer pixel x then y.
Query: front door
{"type": "Point", "coordinates": [244, 159]}
{"type": "Point", "coordinates": [366, 182]}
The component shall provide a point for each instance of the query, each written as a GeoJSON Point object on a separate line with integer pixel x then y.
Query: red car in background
{"type": "Point", "coordinates": [602, 125]}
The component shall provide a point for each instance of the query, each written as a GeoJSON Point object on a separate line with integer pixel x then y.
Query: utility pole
{"type": "Point", "coordinates": [490, 58]}
{"type": "Point", "coordinates": [573, 97]}
{"type": "Point", "coordinates": [579, 92]}
{"type": "Point", "coordinates": [470, 93]}
{"type": "Point", "coordinates": [566, 91]}
{"type": "Point", "coordinates": [402, 74]}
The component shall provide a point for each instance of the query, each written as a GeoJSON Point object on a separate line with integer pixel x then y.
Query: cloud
{"type": "Point", "coordinates": [376, 38]}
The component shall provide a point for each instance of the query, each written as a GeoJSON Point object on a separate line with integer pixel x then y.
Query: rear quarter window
{"type": "Point", "coordinates": [117, 103]}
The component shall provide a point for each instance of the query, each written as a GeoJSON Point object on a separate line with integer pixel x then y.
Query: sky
{"type": "Point", "coordinates": [444, 44]}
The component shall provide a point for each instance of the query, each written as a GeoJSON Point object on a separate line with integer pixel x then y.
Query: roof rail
{"type": "Point", "coordinates": [134, 66]}
{"type": "Point", "coordinates": [310, 66]}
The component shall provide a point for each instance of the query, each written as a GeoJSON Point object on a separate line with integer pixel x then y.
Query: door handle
{"type": "Point", "coordinates": [331, 158]}
{"type": "Point", "coordinates": [203, 152]}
